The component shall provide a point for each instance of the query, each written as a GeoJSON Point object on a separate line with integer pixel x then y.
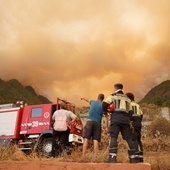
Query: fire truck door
{"type": "Point", "coordinates": [34, 120]}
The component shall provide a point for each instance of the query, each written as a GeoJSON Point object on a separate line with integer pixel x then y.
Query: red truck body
{"type": "Point", "coordinates": [30, 126]}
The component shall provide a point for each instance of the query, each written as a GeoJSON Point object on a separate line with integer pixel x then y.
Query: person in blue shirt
{"type": "Point", "coordinates": [92, 128]}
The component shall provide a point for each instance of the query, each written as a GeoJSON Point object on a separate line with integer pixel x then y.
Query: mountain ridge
{"type": "Point", "coordinates": [12, 91]}
{"type": "Point", "coordinates": [158, 95]}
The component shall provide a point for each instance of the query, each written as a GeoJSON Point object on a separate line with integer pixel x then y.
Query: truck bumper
{"type": "Point", "coordinates": [76, 138]}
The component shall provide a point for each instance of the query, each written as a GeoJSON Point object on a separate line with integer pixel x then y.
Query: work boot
{"type": "Point", "coordinates": [137, 157]}
{"type": "Point", "coordinates": [132, 160]}
{"type": "Point", "coordinates": [112, 159]}
{"type": "Point", "coordinates": [140, 158]}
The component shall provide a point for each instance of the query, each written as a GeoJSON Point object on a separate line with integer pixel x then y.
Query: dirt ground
{"type": "Point", "coordinates": [51, 165]}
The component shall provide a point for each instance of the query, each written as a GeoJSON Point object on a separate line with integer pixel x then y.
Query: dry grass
{"type": "Point", "coordinates": [159, 160]}
{"type": "Point", "coordinates": [156, 148]}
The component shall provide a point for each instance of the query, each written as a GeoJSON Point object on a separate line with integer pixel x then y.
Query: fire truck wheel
{"type": "Point", "coordinates": [47, 147]}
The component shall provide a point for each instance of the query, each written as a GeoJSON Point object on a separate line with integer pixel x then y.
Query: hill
{"type": "Point", "coordinates": [159, 95]}
{"type": "Point", "coordinates": [12, 91]}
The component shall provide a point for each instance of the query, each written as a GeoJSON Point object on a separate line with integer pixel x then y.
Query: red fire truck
{"type": "Point", "coordinates": [29, 127]}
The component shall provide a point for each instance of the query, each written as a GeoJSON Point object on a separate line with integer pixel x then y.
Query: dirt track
{"type": "Point", "coordinates": [51, 165]}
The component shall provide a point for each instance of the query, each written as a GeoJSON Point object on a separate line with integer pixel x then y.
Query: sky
{"type": "Point", "coordinates": [75, 48]}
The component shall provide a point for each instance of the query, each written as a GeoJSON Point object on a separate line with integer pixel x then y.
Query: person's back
{"type": "Point", "coordinates": [92, 127]}
{"type": "Point", "coordinates": [137, 114]}
{"type": "Point", "coordinates": [122, 107]}
{"type": "Point", "coordinates": [61, 129]}
{"type": "Point", "coordinates": [96, 111]}
{"type": "Point", "coordinates": [61, 118]}
{"type": "Point", "coordinates": [119, 122]}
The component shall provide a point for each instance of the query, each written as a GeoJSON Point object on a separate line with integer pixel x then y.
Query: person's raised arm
{"type": "Point", "coordinates": [85, 99]}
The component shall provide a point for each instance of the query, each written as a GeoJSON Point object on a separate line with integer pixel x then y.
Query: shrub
{"type": "Point", "coordinates": [159, 127]}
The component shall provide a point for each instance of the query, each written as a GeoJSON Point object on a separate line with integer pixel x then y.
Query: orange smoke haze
{"type": "Point", "coordinates": [72, 49]}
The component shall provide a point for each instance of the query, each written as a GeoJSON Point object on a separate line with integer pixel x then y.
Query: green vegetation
{"type": "Point", "coordinates": [159, 95]}
{"type": "Point", "coordinates": [12, 91]}
{"type": "Point", "coordinates": [159, 127]}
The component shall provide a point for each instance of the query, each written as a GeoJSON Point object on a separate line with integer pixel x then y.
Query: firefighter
{"type": "Point", "coordinates": [119, 122]}
{"type": "Point", "coordinates": [136, 127]}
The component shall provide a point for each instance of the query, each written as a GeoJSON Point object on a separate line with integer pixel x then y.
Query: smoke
{"type": "Point", "coordinates": [82, 48]}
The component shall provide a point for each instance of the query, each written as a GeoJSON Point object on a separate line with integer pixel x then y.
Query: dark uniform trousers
{"type": "Point", "coordinates": [136, 137]}
{"type": "Point", "coordinates": [125, 131]}
{"type": "Point", "coordinates": [60, 142]}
